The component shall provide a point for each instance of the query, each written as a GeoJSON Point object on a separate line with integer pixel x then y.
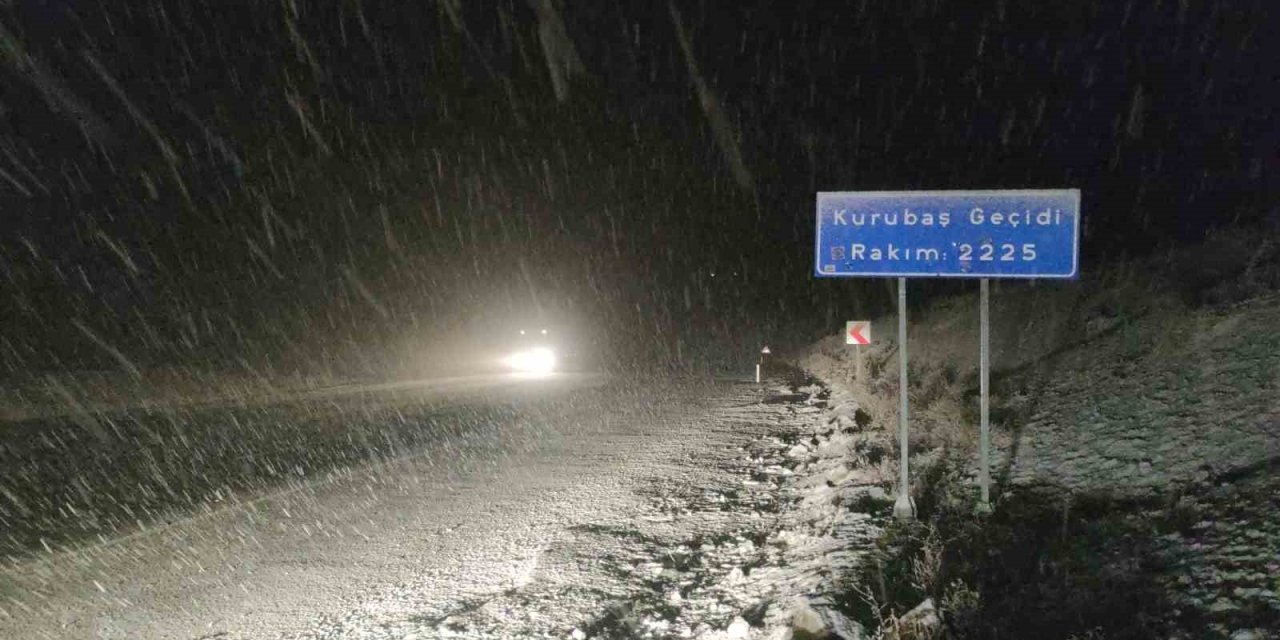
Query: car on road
{"type": "Point", "coordinates": [534, 351]}
{"type": "Point", "coordinates": [550, 347]}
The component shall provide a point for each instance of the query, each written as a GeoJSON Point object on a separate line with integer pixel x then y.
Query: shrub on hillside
{"type": "Point", "coordinates": [1229, 267]}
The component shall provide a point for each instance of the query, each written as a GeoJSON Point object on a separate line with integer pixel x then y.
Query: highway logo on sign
{"type": "Point", "coordinates": [857, 332]}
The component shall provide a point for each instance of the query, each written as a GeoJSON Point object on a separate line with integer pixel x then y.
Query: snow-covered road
{"type": "Point", "coordinates": [533, 517]}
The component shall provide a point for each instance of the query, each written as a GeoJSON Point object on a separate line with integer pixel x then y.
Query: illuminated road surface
{"type": "Point", "coordinates": [393, 546]}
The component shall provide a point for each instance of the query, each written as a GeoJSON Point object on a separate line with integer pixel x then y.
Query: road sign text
{"type": "Point", "coordinates": [985, 234]}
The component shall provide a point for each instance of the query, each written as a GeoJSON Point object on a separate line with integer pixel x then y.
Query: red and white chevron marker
{"type": "Point", "coordinates": [857, 332]}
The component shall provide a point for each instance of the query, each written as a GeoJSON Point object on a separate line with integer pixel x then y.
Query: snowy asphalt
{"type": "Point", "coordinates": [476, 509]}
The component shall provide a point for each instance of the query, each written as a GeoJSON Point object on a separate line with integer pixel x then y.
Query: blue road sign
{"type": "Point", "coordinates": [948, 234]}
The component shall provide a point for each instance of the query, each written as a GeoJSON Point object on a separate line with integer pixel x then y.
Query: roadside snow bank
{"type": "Point", "coordinates": [1140, 397]}
{"type": "Point", "coordinates": [1154, 415]}
{"type": "Point", "coordinates": [1181, 396]}
{"type": "Point", "coordinates": [784, 581]}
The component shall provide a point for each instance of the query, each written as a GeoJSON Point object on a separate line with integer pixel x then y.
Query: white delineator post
{"type": "Point", "coordinates": [903, 508]}
{"type": "Point", "coordinates": [984, 377]}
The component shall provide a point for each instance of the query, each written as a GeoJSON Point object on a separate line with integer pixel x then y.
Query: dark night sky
{"type": "Point", "coordinates": [307, 182]}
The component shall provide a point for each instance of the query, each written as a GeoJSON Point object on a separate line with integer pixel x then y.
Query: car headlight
{"type": "Point", "coordinates": [540, 360]}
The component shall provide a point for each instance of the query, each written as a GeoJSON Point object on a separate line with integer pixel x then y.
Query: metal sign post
{"type": "Point", "coordinates": [984, 377]}
{"type": "Point", "coordinates": [904, 508]}
{"type": "Point", "coordinates": [1027, 234]}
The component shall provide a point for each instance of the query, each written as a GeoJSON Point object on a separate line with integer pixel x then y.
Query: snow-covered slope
{"type": "Point", "coordinates": [1106, 390]}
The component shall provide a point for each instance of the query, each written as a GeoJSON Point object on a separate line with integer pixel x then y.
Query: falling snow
{"type": "Point", "coordinates": [262, 265]}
